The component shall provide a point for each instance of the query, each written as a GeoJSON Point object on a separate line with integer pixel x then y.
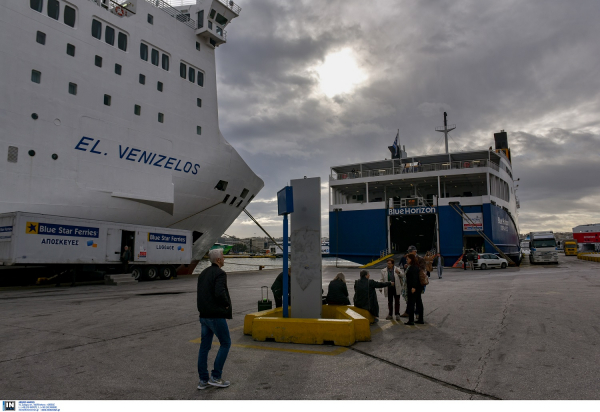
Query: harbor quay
{"type": "Point", "coordinates": [530, 332]}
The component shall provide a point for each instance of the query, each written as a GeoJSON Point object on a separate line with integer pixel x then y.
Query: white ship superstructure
{"type": "Point", "coordinates": [108, 111]}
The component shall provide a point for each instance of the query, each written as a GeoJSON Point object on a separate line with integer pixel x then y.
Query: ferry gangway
{"type": "Point", "coordinates": [458, 210]}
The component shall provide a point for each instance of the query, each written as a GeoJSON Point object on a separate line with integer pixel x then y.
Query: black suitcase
{"type": "Point", "coordinates": [264, 304]}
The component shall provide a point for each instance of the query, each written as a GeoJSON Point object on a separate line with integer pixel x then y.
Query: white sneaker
{"type": "Point", "coordinates": [218, 382]}
{"type": "Point", "coordinates": [398, 318]}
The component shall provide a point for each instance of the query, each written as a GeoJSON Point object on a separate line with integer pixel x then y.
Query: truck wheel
{"type": "Point", "coordinates": [152, 272]}
{"type": "Point", "coordinates": [483, 266]}
{"type": "Point", "coordinates": [136, 273]}
{"type": "Point", "coordinates": [503, 265]}
{"type": "Point", "coordinates": [166, 272]}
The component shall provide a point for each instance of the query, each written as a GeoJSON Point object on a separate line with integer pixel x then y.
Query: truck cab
{"type": "Point", "coordinates": [543, 248]}
{"type": "Point", "coordinates": [570, 247]}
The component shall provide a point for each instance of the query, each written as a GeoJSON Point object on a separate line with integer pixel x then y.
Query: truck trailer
{"type": "Point", "coordinates": [56, 243]}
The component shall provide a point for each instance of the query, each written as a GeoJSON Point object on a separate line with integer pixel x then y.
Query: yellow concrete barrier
{"type": "Point", "coordinates": [342, 325]}
{"type": "Point", "coordinates": [589, 256]}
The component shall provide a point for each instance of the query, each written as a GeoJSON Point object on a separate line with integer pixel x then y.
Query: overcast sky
{"type": "Point", "coordinates": [306, 85]}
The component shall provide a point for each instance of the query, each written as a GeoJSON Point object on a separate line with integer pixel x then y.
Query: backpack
{"type": "Point", "coordinates": [423, 278]}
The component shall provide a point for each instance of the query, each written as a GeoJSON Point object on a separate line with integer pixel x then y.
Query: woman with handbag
{"type": "Point", "coordinates": [414, 290]}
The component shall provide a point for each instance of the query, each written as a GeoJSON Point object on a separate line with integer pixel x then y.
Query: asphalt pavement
{"type": "Point", "coordinates": [518, 333]}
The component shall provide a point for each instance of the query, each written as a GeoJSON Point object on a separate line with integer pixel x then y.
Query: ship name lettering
{"type": "Point", "coordinates": [88, 144]}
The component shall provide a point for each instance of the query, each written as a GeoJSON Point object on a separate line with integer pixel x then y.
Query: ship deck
{"type": "Point", "coordinates": [488, 334]}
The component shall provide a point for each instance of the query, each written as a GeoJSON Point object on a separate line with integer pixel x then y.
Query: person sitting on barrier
{"type": "Point", "coordinates": [392, 273]}
{"type": "Point", "coordinates": [337, 292]}
{"type": "Point", "coordinates": [364, 293]}
{"type": "Point", "coordinates": [277, 288]}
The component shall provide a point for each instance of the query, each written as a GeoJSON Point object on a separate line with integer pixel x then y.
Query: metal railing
{"type": "Point", "coordinates": [408, 169]}
{"type": "Point", "coordinates": [232, 6]}
{"type": "Point", "coordinates": [173, 12]}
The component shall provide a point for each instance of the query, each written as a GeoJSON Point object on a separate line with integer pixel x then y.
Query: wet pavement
{"type": "Point", "coordinates": [518, 333]}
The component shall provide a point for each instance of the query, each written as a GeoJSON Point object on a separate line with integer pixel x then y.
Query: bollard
{"type": "Point", "coordinates": [260, 267]}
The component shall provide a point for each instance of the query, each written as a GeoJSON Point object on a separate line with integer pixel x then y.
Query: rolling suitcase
{"type": "Point", "coordinates": [264, 304]}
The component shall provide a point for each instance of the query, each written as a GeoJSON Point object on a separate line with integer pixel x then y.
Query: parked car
{"type": "Point", "coordinates": [489, 260]}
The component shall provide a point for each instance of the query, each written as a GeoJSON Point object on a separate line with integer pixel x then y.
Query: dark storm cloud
{"type": "Point", "coordinates": [529, 68]}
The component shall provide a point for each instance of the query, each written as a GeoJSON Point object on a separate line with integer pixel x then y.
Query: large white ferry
{"type": "Point", "coordinates": [108, 111]}
{"type": "Point", "coordinates": [448, 203]}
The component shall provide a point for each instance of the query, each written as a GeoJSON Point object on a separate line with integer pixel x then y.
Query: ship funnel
{"type": "Point", "coordinates": [501, 141]}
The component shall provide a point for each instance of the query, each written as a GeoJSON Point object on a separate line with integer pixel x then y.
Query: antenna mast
{"type": "Point", "coordinates": [445, 130]}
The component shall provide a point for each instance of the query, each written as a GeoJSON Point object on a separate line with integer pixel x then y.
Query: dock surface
{"type": "Point", "coordinates": [518, 333]}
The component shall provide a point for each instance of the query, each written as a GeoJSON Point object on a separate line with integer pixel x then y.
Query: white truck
{"type": "Point", "coordinates": [543, 248]}
{"type": "Point", "coordinates": [56, 243]}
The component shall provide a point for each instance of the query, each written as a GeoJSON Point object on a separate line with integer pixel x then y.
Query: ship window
{"type": "Point", "coordinates": [107, 100]}
{"type": "Point", "coordinates": [96, 29]}
{"type": "Point", "coordinates": [198, 46]}
{"type": "Point", "coordinates": [53, 9]}
{"type": "Point", "coordinates": [200, 79]}
{"type": "Point", "coordinates": [212, 42]}
{"type": "Point", "coordinates": [72, 89]}
{"type": "Point", "coordinates": [36, 76]}
{"type": "Point", "coordinates": [36, 5]}
{"type": "Point", "coordinates": [192, 74]}
{"type": "Point", "coordinates": [220, 19]}
{"type": "Point", "coordinates": [244, 193]}
{"type": "Point", "coordinates": [137, 109]}
{"type": "Point", "coordinates": [210, 24]}
{"type": "Point", "coordinates": [118, 69]}
{"type": "Point", "coordinates": [222, 185]}
{"type": "Point", "coordinates": [159, 86]}
{"type": "Point", "coordinates": [161, 118]}
{"type": "Point", "coordinates": [212, 13]}
{"type": "Point", "coordinates": [13, 154]}
{"type": "Point", "coordinates": [251, 197]}
{"type": "Point", "coordinates": [200, 18]}
{"type": "Point", "coordinates": [199, 102]}
{"type": "Point", "coordinates": [198, 130]}
{"type": "Point", "coordinates": [70, 50]}
{"type": "Point", "coordinates": [69, 17]}
{"type": "Point", "coordinates": [233, 200]}
{"type": "Point", "coordinates": [98, 61]}
{"type": "Point", "coordinates": [122, 41]}
{"type": "Point", "coordinates": [154, 57]}
{"type": "Point", "coordinates": [109, 35]}
{"type": "Point", "coordinates": [142, 79]}
{"type": "Point", "coordinates": [240, 202]}
{"type": "Point", "coordinates": [150, 19]}
{"type": "Point", "coordinates": [165, 62]}
{"type": "Point", "coordinates": [224, 200]}
{"type": "Point", "coordinates": [144, 52]}
{"type": "Point", "coordinates": [40, 37]}
{"type": "Point", "coordinates": [182, 70]}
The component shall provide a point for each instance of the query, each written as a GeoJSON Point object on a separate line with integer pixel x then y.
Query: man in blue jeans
{"type": "Point", "coordinates": [214, 307]}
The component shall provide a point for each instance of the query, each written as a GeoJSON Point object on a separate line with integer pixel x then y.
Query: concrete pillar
{"type": "Point", "coordinates": [307, 275]}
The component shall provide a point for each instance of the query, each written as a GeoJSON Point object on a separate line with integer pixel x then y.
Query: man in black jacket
{"type": "Point", "coordinates": [277, 288]}
{"type": "Point", "coordinates": [214, 307]}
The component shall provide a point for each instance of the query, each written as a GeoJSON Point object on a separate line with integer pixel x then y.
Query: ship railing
{"type": "Point", "coordinates": [410, 168]}
{"type": "Point", "coordinates": [173, 12]}
{"type": "Point", "coordinates": [232, 6]}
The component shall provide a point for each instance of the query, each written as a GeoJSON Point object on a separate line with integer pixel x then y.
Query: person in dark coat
{"type": "Point", "coordinates": [125, 258]}
{"type": "Point", "coordinates": [337, 292]}
{"type": "Point", "coordinates": [465, 260]}
{"type": "Point", "coordinates": [414, 290]}
{"type": "Point", "coordinates": [364, 293]}
{"type": "Point", "coordinates": [277, 289]}
{"type": "Point", "coordinates": [214, 307]}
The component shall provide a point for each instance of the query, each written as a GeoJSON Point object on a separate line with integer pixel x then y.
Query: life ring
{"type": "Point", "coordinates": [119, 10]}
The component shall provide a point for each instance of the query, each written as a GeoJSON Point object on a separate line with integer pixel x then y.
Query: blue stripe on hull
{"type": "Point", "coordinates": [362, 234]}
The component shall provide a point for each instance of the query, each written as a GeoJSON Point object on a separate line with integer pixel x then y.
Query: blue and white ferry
{"type": "Point", "coordinates": [445, 202]}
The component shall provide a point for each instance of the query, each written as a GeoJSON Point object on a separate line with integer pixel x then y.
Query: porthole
{"type": "Point", "coordinates": [54, 156]}
{"type": "Point", "coordinates": [31, 153]}
{"type": "Point", "coordinates": [34, 116]}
